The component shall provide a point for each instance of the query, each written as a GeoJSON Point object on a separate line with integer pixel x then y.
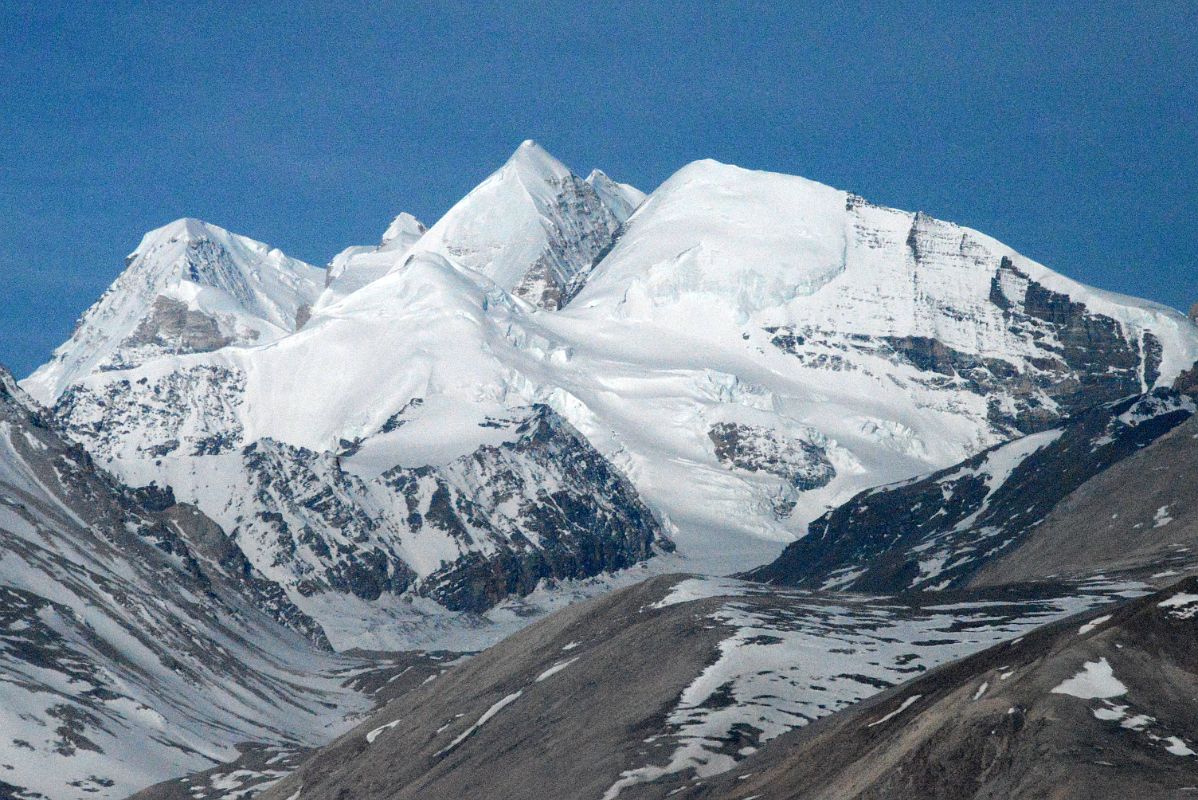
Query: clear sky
{"type": "Point", "coordinates": [1070, 135]}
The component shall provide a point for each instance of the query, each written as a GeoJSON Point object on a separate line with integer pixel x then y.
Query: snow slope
{"type": "Point", "coordinates": [356, 266]}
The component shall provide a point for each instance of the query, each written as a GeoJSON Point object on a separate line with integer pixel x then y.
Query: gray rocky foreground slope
{"type": "Point", "coordinates": [643, 690]}
{"type": "Point", "coordinates": [1098, 706]}
{"type": "Point", "coordinates": [136, 640]}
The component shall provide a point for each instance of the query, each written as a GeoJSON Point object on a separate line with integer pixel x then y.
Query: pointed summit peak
{"type": "Point", "coordinates": [187, 225]}
{"type": "Point", "coordinates": [533, 227]}
{"type": "Point", "coordinates": [189, 232]}
{"type": "Point", "coordinates": [184, 229]}
{"type": "Point", "coordinates": [189, 287]}
{"type": "Point", "coordinates": [531, 160]}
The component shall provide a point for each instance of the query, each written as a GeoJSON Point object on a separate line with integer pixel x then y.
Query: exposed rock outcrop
{"type": "Point", "coordinates": [944, 530]}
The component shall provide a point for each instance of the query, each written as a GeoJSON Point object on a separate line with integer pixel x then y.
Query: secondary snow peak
{"type": "Point", "coordinates": [360, 265]}
{"type": "Point", "coordinates": [190, 286]}
{"type": "Point", "coordinates": [405, 229]}
{"type": "Point", "coordinates": [621, 198]}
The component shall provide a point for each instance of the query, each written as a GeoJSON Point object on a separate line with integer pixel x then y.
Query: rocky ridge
{"type": "Point", "coordinates": [951, 528]}
{"type": "Point", "coordinates": [136, 639]}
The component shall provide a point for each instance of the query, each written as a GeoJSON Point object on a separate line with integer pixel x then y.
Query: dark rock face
{"type": "Point", "coordinates": [1078, 359]}
{"type": "Point", "coordinates": [210, 264]}
{"type": "Point", "coordinates": [302, 315]}
{"type": "Point", "coordinates": [585, 520]}
{"type": "Point", "coordinates": [178, 530]}
{"type": "Point", "coordinates": [206, 539]}
{"type": "Point", "coordinates": [1093, 361]}
{"type": "Point", "coordinates": [940, 531]}
{"type": "Point", "coordinates": [172, 327]}
{"type": "Point", "coordinates": [1187, 382]}
{"type": "Point", "coordinates": [583, 228]}
{"type": "Point", "coordinates": [192, 408]}
{"type": "Point", "coordinates": [543, 506]}
{"type": "Point", "coordinates": [803, 464]}
{"type": "Point", "coordinates": [397, 420]}
{"type": "Point", "coordinates": [305, 505]}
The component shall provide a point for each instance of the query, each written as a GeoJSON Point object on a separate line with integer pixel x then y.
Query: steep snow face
{"type": "Point", "coordinates": [133, 640]}
{"type": "Point", "coordinates": [357, 266]}
{"type": "Point", "coordinates": [533, 227]}
{"type": "Point", "coordinates": [188, 287]}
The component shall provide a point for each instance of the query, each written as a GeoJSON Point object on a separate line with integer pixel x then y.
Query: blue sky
{"type": "Point", "coordinates": [1072, 136]}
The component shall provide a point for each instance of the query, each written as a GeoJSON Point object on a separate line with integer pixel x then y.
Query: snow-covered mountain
{"type": "Point", "coordinates": [189, 287]}
{"type": "Point", "coordinates": [542, 387]}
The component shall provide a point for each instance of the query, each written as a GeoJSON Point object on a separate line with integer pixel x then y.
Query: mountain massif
{"type": "Point", "coordinates": [561, 378]}
{"type": "Point", "coordinates": [250, 503]}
